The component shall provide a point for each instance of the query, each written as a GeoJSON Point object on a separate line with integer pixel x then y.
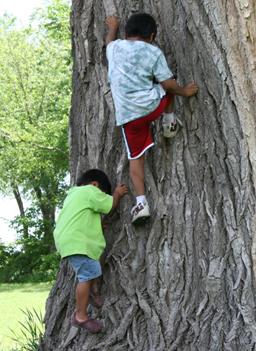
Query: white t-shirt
{"type": "Point", "coordinates": [132, 66]}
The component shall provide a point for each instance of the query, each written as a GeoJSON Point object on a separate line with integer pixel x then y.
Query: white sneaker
{"type": "Point", "coordinates": [170, 130]}
{"type": "Point", "coordinates": [140, 213]}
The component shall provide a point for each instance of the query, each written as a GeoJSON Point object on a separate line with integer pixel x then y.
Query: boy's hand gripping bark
{"type": "Point", "coordinates": [113, 25]}
{"type": "Point", "coordinates": [120, 191]}
{"type": "Point", "coordinates": [173, 87]}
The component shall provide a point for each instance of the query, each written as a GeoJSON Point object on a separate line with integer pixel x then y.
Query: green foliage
{"type": "Point", "coordinates": [18, 266]}
{"type": "Point", "coordinates": [35, 102]}
{"type": "Point", "coordinates": [35, 69]}
{"type": "Point", "coordinates": [55, 19]}
{"type": "Point", "coordinates": [31, 330]}
{"type": "Point", "coordinates": [34, 106]}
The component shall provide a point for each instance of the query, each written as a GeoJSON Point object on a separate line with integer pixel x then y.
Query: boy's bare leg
{"type": "Point", "coordinates": [94, 297]}
{"type": "Point", "coordinates": [140, 212]}
{"type": "Point", "coordinates": [137, 175]}
{"type": "Point", "coordinates": [82, 297]}
{"type": "Point", "coordinates": [170, 107]}
{"type": "Point", "coordinates": [95, 284]}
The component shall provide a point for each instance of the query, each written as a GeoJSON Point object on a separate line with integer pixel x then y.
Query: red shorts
{"type": "Point", "coordinates": [137, 134]}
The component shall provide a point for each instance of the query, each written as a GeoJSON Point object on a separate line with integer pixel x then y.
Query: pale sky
{"type": "Point", "coordinates": [8, 207]}
{"type": "Point", "coordinates": [20, 9]}
{"type": "Point", "coordinates": [8, 210]}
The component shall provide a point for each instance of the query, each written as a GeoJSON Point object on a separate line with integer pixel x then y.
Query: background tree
{"type": "Point", "coordinates": [185, 281]}
{"type": "Point", "coordinates": [35, 66]}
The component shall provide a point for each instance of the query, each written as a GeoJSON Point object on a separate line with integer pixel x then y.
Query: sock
{"type": "Point", "coordinates": [169, 118]}
{"type": "Point", "coordinates": [140, 199]}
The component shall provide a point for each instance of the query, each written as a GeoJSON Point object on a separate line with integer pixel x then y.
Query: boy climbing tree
{"type": "Point", "coordinates": [135, 67]}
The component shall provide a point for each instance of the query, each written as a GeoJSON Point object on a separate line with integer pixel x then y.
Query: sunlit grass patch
{"type": "Point", "coordinates": [13, 299]}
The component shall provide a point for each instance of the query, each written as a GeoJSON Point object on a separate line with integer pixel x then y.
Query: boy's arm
{"type": "Point", "coordinates": [173, 87]}
{"type": "Point", "coordinates": [113, 25]}
{"type": "Point", "coordinates": [120, 191]}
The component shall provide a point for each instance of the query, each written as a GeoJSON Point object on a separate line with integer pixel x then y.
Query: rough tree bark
{"type": "Point", "coordinates": [185, 281]}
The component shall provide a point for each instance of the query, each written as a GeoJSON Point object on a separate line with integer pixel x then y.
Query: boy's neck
{"type": "Point", "coordinates": [140, 39]}
{"type": "Point", "coordinates": [149, 41]}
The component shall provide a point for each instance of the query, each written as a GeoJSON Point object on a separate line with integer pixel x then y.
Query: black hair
{"type": "Point", "coordinates": [95, 175]}
{"type": "Point", "coordinates": [141, 25]}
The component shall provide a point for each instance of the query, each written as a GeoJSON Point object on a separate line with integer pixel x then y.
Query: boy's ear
{"type": "Point", "coordinates": [125, 37]}
{"type": "Point", "coordinates": [95, 183]}
{"type": "Point", "coordinates": [152, 37]}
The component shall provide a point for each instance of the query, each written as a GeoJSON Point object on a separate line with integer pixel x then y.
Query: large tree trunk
{"type": "Point", "coordinates": [184, 281]}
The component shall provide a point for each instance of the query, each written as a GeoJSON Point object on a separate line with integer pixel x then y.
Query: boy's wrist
{"type": "Point", "coordinates": [117, 193]}
{"type": "Point", "coordinates": [113, 28]}
{"type": "Point", "coordinates": [116, 197]}
{"type": "Point", "coordinates": [111, 36]}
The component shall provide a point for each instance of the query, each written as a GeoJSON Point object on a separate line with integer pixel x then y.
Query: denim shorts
{"type": "Point", "coordinates": [85, 267]}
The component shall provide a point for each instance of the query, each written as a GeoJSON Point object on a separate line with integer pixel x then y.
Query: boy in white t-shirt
{"type": "Point", "coordinates": [134, 65]}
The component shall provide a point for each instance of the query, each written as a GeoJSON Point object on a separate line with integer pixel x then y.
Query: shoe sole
{"type": "Point", "coordinates": [171, 134]}
{"type": "Point", "coordinates": [80, 327]}
{"type": "Point", "coordinates": [141, 220]}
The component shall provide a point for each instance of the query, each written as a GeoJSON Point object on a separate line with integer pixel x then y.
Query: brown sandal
{"type": "Point", "coordinates": [89, 324]}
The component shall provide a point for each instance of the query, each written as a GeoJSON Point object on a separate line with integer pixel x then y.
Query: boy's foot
{"type": "Point", "coordinates": [95, 299]}
{"type": "Point", "coordinates": [89, 324]}
{"type": "Point", "coordinates": [170, 130]}
{"type": "Point", "coordinates": [140, 213]}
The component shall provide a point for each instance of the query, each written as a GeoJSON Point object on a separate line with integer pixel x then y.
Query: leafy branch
{"type": "Point", "coordinates": [36, 145]}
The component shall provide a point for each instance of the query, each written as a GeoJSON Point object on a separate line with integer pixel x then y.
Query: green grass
{"type": "Point", "coordinates": [13, 298]}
